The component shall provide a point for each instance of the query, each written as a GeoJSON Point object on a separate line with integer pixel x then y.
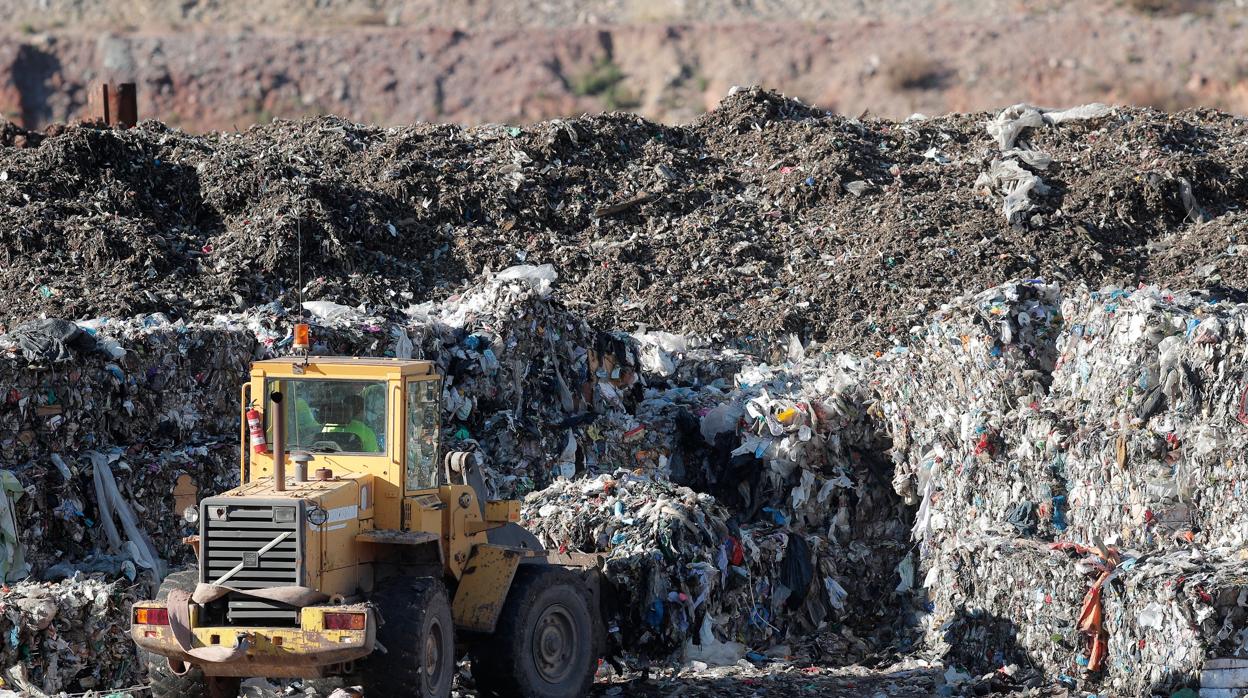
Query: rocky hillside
{"type": "Point", "coordinates": [212, 65]}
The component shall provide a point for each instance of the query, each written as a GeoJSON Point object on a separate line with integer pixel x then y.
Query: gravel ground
{"type": "Point", "coordinates": [491, 13]}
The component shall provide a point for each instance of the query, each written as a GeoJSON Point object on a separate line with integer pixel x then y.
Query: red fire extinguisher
{"type": "Point", "coordinates": [256, 427]}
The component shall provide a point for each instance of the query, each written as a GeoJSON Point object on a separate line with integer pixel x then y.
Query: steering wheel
{"type": "Point", "coordinates": [326, 447]}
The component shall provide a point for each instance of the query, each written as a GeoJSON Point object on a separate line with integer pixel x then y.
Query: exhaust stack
{"type": "Point", "coordinates": [279, 443]}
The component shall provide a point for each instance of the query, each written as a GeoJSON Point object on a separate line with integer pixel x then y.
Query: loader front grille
{"type": "Point", "coordinates": [252, 546]}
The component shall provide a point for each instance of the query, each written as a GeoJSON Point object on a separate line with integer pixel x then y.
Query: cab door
{"type": "Point", "coordinates": [421, 434]}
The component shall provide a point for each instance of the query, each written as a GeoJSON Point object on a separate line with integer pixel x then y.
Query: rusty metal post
{"type": "Point", "coordinates": [99, 103]}
{"type": "Point", "coordinates": [116, 104]}
{"type": "Point", "coordinates": [123, 104]}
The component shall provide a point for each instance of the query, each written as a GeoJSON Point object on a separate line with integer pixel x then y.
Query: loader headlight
{"type": "Point", "coordinates": [317, 515]}
{"type": "Point", "coordinates": [283, 515]}
{"type": "Point", "coordinates": [191, 515]}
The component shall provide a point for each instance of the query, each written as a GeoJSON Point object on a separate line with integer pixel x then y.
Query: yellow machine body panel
{"type": "Point", "coordinates": [483, 587]}
{"type": "Point", "coordinates": [301, 651]}
{"type": "Point", "coordinates": [329, 559]}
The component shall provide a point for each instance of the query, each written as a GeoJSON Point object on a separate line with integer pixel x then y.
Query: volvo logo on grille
{"type": "Point", "coordinates": [251, 560]}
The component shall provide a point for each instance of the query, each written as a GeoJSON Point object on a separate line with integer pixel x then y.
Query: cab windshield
{"type": "Point", "coordinates": [331, 416]}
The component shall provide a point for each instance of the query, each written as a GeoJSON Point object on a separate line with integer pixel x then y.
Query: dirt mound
{"type": "Point", "coordinates": [765, 216]}
{"type": "Point", "coordinates": [13, 135]}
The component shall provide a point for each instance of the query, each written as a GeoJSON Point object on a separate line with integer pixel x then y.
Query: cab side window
{"type": "Point", "coordinates": [423, 430]}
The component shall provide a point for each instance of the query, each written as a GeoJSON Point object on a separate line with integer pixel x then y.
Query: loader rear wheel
{"type": "Point", "coordinates": [543, 645]}
{"type": "Point", "coordinates": [418, 636]}
{"type": "Point", "coordinates": [192, 684]}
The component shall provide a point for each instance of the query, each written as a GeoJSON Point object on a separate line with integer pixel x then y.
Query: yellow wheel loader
{"type": "Point", "coordinates": [354, 551]}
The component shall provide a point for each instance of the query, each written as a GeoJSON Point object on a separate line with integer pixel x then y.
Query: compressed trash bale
{"type": "Point", "coordinates": [1137, 450]}
{"type": "Point", "coordinates": [160, 396]}
{"type": "Point", "coordinates": [145, 379]}
{"type": "Point", "coordinates": [973, 443]}
{"type": "Point", "coordinates": [1154, 384]}
{"type": "Point", "coordinates": [998, 600]}
{"type": "Point", "coordinates": [1167, 614]}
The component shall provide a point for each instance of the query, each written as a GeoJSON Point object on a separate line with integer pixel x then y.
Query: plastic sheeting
{"type": "Point", "coordinates": [1009, 176]}
{"type": "Point", "coordinates": [113, 504]}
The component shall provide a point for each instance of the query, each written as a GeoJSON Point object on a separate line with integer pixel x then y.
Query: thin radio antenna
{"type": "Point", "coordinates": [299, 247]}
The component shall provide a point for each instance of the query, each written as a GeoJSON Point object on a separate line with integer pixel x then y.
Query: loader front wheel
{"type": "Point", "coordinates": [543, 645]}
{"type": "Point", "coordinates": [418, 638]}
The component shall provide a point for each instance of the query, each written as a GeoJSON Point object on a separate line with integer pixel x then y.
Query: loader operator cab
{"type": "Point", "coordinates": [350, 531]}
{"type": "Point", "coordinates": [349, 419]}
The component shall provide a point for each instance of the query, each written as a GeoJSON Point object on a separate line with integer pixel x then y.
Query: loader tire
{"type": "Point", "coordinates": [163, 681]}
{"type": "Point", "coordinates": [544, 644]}
{"type": "Point", "coordinates": [418, 636]}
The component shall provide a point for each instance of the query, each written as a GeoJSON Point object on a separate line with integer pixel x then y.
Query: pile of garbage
{"type": "Point", "coordinates": [687, 576]}
{"type": "Point", "coordinates": [786, 465]}
{"type": "Point", "coordinates": [15, 136]}
{"type": "Point", "coordinates": [67, 636]}
{"type": "Point", "coordinates": [706, 356]}
{"type": "Point", "coordinates": [807, 475]}
{"type": "Point", "coordinates": [534, 388]}
{"type": "Point", "coordinates": [766, 216]}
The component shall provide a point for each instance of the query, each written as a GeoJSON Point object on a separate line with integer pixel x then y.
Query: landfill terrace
{"type": "Point", "coordinates": [951, 406]}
